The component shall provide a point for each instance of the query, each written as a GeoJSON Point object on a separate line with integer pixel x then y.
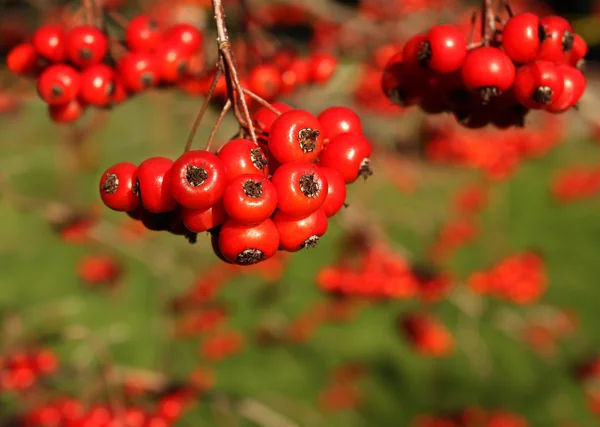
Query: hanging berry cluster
{"type": "Point", "coordinates": [21, 370]}
{"type": "Point", "coordinates": [528, 63]}
{"type": "Point", "coordinates": [82, 66]}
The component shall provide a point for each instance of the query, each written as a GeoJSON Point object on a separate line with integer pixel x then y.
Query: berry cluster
{"type": "Point", "coordinates": [519, 278]}
{"type": "Point", "coordinates": [19, 371]}
{"type": "Point", "coordinates": [576, 183]}
{"type": "Point", "coordinates": [63, 412]}
{"type": "Point", "coordinates": [528, 64]}
{"type": "Point", "coordinates": [83, 66]}
{"type": "Point", "coordinates": [253, 198]}
{"type": "Point", "coordinates": [472, 417]}
{"type": "Point", "coordinates": [428, 335]}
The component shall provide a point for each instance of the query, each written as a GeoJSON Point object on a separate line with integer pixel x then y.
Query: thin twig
{"type": "Point", "coordinates": [211, 91]}
{"type": "Point", "coordinates": [118, 18]}
{"type": "Point", "coordinates": [88, 6]}
{"type": "Point", "coordinates": [261, 101]}
{"type": "Point", "coordinates": [215, 128]}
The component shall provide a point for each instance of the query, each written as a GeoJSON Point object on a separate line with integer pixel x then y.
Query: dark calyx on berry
{"type": "Point", "coordinates": [249, 257]}
{"type": "Point", "coordinates": [307, 138]}
{"type": "Point", "coordinates": [153, 24]}
{"type": "Point", "coordinates": [543, 95]}
{"type": "Point", "coordinates": [487, 93]}
{"type": "Point", "coordinates": [542, 34]}
{"type": "Point", "coordinates": [111, 185]}
{"type": "Point", "coordinates": [567, 41]}
{"type": "Point", "coordinates": [309, 185]}
{"type": "Point", "coordinates": [196, 175]}
{"type": "Point", "coordinates": [56, 91]}
{"type": "Point", "coordinates": [365, 168]}
{"type": "Point", "coordinates": [258, 158]}
{"type": "Point", "coordinates": [424, 53]}
{"type": "Point", "coordinates": [253, 188]}
{"type": "Point", "coordinates": [311, 242]}
{"type": "Point", "coordinates": [86, 53]}
{"type": "Point", "coordinates": [182, 67]}
{"type": "Point", "coordinates": [147, 79]}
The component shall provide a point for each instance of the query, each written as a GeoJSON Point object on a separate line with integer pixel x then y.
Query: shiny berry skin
{"type": "Point", "coordinates": [187, 36]}
{"type": "Point", "coordinates": [59, 84]}
{"type": "Point", "coordinates": [67, 113]}
{"type": "Point", "coordinates": [538, 84]}
{"type": "Point", "coordinates": [301, 188]}
{"type": "Point", "coordinates": [242, 156]}
{"type": "Point", "coordinates": [300, 233]}
{"type": "Point", "coordinates": [265, 81]}
{"type": "Point", "coordinates": [321, 67]}
{"type": "Point", "coordinates": [201, 220]}
{"type": "Point", "coordinates": [172, 61]}
{"type": "Point", "coordinates": [143, 34]}
{"type": "Point", "coordinates": [413, 53]}
{"type": "Point", "coordinates": [120, 93]}
{"type": "Point", "coordinates": [138, 71]}
{"type": "Point", "coordinates": [49, 42]}
{"type": "Point", "coordinates": [153, 182]}
{"type": "Point", "coordinates": [22, 59]}
{"type": "Point", "coordinates": [295, 135]}
{"type": "Point", "coordinates": [558, 39]}
{"type": "Point", "coordinates": [250, 199]}
{"type": "Point", "coordinates": [337, 120]}
{"type": "Point", "coordinates": [118, 187]}
{"type": "Point", "coordinates": [348, 153]}
{"type": "Point", "coordinates": [574, 87]}
{"type": "Point", "coordinates": [579, 51]}
{"type": "Point", "coordinates": [446, 48]}
{"type": "Point", "coordinates": [336, 192]}
{"type": "Point", "coordinates": [198, 179]}
{"type": "Point", "coordinates": [489, 71]}
{"type": "Point", "coordinates": [522, 37]}
{"type": "Point", "coordinates": [97, 85]}
{"type": "Point", "coordinates": [86, 45]}
{"type": "Point", "coordinates": [264, 117]}
{"type": "Point", "coordinates": [248, 244]}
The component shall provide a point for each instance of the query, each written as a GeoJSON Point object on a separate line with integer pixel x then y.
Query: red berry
{"type": "Point", "coordinates": [299, 233]}
{"type": "Point", "coordinates": [348, 153]}
{"type": "Point", "coordinates": [413, 53]}
{"type": "Point", "coordinates": [67, 113]}
{"type": "Point", "coordinates": [301, 188]}
{"type": "Point", "coordinates": [242, 156]}
{"type": "Point", "coordinates": [574, 86]}
{"type": "Point", "coordinates": [201, 220]}
{"type": "Point", "coordinates": [86, 45]}
{"type": "Point", "coordinates": [557, 39]}
{"type": "Point", "coordinates": [143, 34]}
{"type": "Point", "coordinates": [58, 84]}
{"type": "Point", "coordinates": [445, 49]}
{"type": "Point", "coordinates": [138, 71]}
{"type": "Point", "coordinates": [248, 244]}
{"type": "Point", "coordinates": [118, 188]}
{"type": "Point", "coordinates": [22, 59]}
{"type": "Point", "coordinates": [250, 199]}
{"type": "Point", "coordinates": [187, 36]}
{"type": "Point", "coordinates": [336, 191]}
{"type": "Point", "coordinates": [538, 84]}
{"type": "Point", "coordinates": [98, 85]}
{"type": "Point", "coordinates": [172, 61]}
{"type": "Point", "coordinates": [337, 120]}
{"type": "Point", "coordinates": [402, 83]}
{"type": "Point", "coordinates": [265, 81]}
{"type": "Point", "coordinates": [489, 71]}
{"type": "Point", "coordinates": [119, 91]}
{"type": "Point", "coordinates": [296, 74]}
{"type": "Point", "coordinates": [198, 179]}
{"type": "Point", "coordinates": [522, 37]}
{"type": "Point", "coordinates": [321, 67]}
{"type": "Point", "coordinates": [263, 118]}
{"type": "Point", "coordinates": [579, 50]}
{"type": "Point", "coordinates": [295, 135]}
{"type": "Point", "coordinates": [153, 182]}
{"type": "Point", "coordinates": [49, 42]}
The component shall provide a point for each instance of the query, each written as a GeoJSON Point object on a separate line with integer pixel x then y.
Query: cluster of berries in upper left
{"type": "Point", "coordinates": [531, 63]}
{"type": "Point", "coordinates": [253, 198]}
{"type": "Point", "coordinates": [83, 66]}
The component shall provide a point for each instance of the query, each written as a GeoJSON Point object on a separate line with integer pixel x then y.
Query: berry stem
{"type": "Point", "coordinates": [261, 101]}
{"type": "Point", "coordinates": [233, 80]}
{"type": "Point", "coordinates": [487, 21]}
{"type": "Point", "coordinates": [119, 19]}
{"type": "Point", "coordinates": [217, 124]}
{"type": "Point", "coordinates": [211, 91]}
{"type": "Point", "coordinates": [88, 6]}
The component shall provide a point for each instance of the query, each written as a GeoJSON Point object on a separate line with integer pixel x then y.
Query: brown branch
{"type": "Point", "coordinates": [215, 128]}
{"type": "Point", "coordinates": [488, 24]}
{"type": "Point", "coordinates": [211, 91]}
